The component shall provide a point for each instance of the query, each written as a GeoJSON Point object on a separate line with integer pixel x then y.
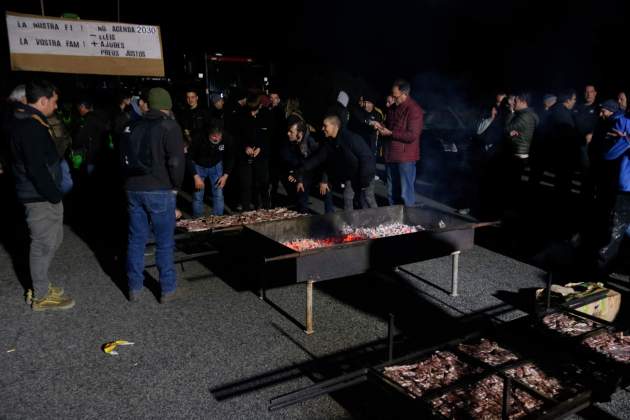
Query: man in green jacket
{"type": "Point", "coordinates": [520, 128]}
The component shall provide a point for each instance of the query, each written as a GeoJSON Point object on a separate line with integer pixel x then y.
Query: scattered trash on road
{"type": "Point", "coordinates": [110, 348]}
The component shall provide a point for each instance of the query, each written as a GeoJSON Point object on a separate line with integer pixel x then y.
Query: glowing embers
{"type": "Point", "coordinates": [352, 234]}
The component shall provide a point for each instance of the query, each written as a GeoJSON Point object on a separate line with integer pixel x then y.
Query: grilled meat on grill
{"type": "Point", "coordinates": [488, 352]}
{"type": "Point", "coordinates": [441, 369]}
{"type": "Point", "coordinates": [245, 218]}
{"type": "Point", "coordinates": [568, 325]}
{"type": "Point", "coordinates": [613, 345]}
{"type": "Point", "coordinates": [483, 400]}
{"type": "Point", "coordinates": [533, 376]}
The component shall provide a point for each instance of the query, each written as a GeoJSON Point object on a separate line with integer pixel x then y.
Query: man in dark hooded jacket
{"type": "Point", "coordinates": [347, 160]}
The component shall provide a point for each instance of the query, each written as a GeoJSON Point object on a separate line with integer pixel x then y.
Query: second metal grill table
{"type": "Point", "coordinates": [441, 234]}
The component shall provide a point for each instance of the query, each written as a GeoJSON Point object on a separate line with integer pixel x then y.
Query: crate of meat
{"type": "Point", "coordinates": [466, 380]}
{"type": "Point", "coordinates": [569, 325]}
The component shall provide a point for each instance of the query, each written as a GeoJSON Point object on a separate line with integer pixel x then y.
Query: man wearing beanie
{"type": "Point", "coordinates": [156, 147]}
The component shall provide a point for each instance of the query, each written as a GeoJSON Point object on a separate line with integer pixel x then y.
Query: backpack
{"type": "Point", "coordinates": [135, 147]}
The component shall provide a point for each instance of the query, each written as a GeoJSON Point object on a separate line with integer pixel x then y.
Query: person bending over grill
{"type": "Point", "coordinates": [296, 151]}
{"type": "Point", "coordinates": [213, 158]}
{"type": "Point", "coordinates": [347, 160]}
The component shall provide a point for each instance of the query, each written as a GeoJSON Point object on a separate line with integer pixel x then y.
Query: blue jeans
{"type": "Point", "coordinates": [151, 211]}
{"type": "Point", "coordinates": [218, 204]}
{"type": "Point", "coordinates": [401, 183]}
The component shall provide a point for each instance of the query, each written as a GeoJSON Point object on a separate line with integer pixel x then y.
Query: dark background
{"type": "Point", "coordinates": [465, 48]}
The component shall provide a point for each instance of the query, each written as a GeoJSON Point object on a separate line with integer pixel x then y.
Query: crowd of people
{"type": "Point", "coordinates": [243, 149]}
{"type": "Point", "coordinates": [249, 148]}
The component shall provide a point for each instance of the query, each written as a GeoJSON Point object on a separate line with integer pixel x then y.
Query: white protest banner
{"type": "Point", "coordinates": [39, 43]}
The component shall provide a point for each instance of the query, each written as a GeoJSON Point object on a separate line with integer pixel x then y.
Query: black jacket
{"type": "Point", "coordinates": [195, 121]}
{"type": "Point", "coordinates": [561, 134]}
{"type": "Point", "coordinates": [169, 164]}
{"type": "Point", "coordinates": [347, 157]}
{"type": "Point", "coordinates": [360, 121]}
{"type": "Point", "coordinates": [207, 154]}
{"type": "Point", "coordinates": [91, 136]}
{"type": "Point", "coordinates": [253, 131]}
{"type": "Point", "coordinates": [586, 117]}
{"type": "Point", "coordinates": [36, 164]}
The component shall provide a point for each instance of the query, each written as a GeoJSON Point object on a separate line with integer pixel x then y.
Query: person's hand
{"type": "Point", "coordinates": [323, 188]}
{"type": "Point", "coordinates": [589, 137]}
{"type": "Point", "coordinates": [178, 214]}
{"type": "Point", "coordinates": [377, 125]}
{"type": "Point", "coordinates": [221, 181]}
{"type": "Point", "coordinates": [292, 179]}
{"type": "Point", "coordinates": [384, 131]}
{"type": "Point", "coordinates": [300, 187]}
{"type": "Point", "coordinates": [199, 184]}
{"type": "Point", "coordinates": [256, 152]}
{"type": "Point", "coordinates": [514, 133]}
{"type": "Point", "coordinates": [249, 151]}
{"type": "Point", "coordinates": [617, 133]}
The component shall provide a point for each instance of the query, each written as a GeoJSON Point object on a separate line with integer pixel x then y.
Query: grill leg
{"type": "Point", "coordinates": [309, 307]}
{"type": "Point", "coordinates": [262, 292]}
{"type": "Point", "coordinates": [455, 278]}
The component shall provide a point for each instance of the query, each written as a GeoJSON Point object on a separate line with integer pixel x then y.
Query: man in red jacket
{"type": "Point", "coordinates": [401, 141]}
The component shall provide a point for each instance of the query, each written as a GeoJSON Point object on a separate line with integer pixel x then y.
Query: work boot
{"type": "Point", "coordinates": [134, 295]}
{"type": "Point", "coordinates": [167, 297]}
{"type": "Point", "coordinates": [52, 302]}
{"type": "Point", "coordinates": [53, 290]}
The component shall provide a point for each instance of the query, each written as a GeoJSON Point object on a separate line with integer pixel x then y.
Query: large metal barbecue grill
{"type": "Point", "coordinates": [443, 234]}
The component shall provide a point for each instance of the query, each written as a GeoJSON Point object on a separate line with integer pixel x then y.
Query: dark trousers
{"type": "Point", "coordinates": [619, 222]}
{"type": "Point", "coordinates": [254, 183]}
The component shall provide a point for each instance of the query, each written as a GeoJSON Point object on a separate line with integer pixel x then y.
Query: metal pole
{"type": "Point", "coordinates": [507, 390]}
{"type": "Point", "coordinates": [41, 3]}
{"type": "Point", "coordinates": [262, 291]}
{"type": "Point", "coordinates": [309, 307]}
{"type": "Point", "coordinates": [118, 10]}
{"type": "Point", "coordinates": [549, 282]}
{"type": "Point", "coordinates": [455, 278]}
{"type": "Point", "coordinates": [390, 337]}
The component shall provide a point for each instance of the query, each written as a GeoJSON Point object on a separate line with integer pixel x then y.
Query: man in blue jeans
{"type": "Point", "coordinates": [213, 156]}
{"type": "Point", "coordinates": [151, 192]}
{"type": "Point", "coordinates": [401, 144]}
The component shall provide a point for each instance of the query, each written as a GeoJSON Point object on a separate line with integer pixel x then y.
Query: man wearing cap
{"type": "Point", "coordinates": [151, 196]}
{"type": "Point", "coordinates": [217, 114]}
{"type": "Point", "coordinates": [91, 137]}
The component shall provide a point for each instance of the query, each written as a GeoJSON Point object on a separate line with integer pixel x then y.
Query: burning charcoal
{"type": "Point", "coordinates": [488, 352]}
{"type": "Point", "coordinates": [568, 325]}
{"type": "Point", "coordinates": [613, 345]}
{"type": "Point", "coordinates": [533, 376]}
{"type": "Point", "coordinates": [351, 234]}
{"type": "Point", "coordinates": [483, 400]}
{"type": "Point", "coordinates": [439, 370]}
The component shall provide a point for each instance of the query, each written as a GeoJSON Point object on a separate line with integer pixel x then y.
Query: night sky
{"type": "Point", "coordinates": [482, 46]}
